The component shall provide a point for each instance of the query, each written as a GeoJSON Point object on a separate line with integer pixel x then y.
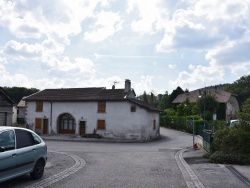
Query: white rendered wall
{"type": "Point", "coordinates": [120, 121]}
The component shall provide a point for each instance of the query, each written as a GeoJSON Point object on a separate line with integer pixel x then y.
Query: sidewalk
{"type": "Point", "coordinates": [202, 166]}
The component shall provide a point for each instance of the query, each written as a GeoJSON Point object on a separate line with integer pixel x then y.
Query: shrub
{"type": "Point", "coordinates": [230, 158]}
{"type": "Point", "coordinates": [231, 139]}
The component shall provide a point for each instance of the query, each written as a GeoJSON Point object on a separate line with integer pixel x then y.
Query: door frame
{"type": "Point", "coordinates": [82, 123]}
{"type": "Point", "coordinates": [45, 124]}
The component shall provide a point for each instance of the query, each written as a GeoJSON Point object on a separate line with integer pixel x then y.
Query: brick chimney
{"type": "Point", "coordinates": [127, 85]}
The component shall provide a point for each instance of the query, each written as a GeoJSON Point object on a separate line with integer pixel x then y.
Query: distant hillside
{"type": "Point", "coordinates": [17, 93]}
{"type": "Point", "coordinates": [220, 86]}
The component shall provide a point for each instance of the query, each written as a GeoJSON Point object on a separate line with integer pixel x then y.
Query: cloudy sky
{"type": "Point", "coordinates": [157, 44]}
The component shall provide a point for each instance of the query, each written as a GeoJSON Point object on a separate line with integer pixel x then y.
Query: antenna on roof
{"type": "Point", "coordinates": [115, 82]}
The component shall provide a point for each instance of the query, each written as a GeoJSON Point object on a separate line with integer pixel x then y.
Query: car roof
{"type": "Point", "coordinates": [4, 128]}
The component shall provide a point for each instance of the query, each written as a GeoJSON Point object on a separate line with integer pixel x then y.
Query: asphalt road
{"type": "Point", "coordinates": [113, 165]}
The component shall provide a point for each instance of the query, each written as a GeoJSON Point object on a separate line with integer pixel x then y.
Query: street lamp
{"type": "Point", "coordinates": [203, 93]}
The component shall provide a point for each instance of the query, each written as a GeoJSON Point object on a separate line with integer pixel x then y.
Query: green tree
{"type": "Point", "coordinates": [210, 105]}
{"type": "Point", "coordinates": [145, 97]}
{"type": "Point", "coordinates": [181, 110]}
{"type": "Point", "coordinates": [174, 94]}
{"type": "Point", "coordinates": [17, 93]}
{"type": "Point", "coordinates": [163, 101]}
{"type": "Point", "coordinates": [240, 87]}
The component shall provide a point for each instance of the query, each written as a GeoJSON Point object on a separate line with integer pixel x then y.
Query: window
{"type": "Point", "coordinates": [101, 124]}
{"type": "Point", "coordinates": [38, 123]}
{"type": "Point", "coordinates": [66, 124]}
{"type": "Point", "coordinates": [24, 138]}
{"type": "Point", "coordinates": [154, 124]}
{"type": "Point", "coordinates": [7, 140]}
{"type": "Point", "coordinates": [133, 109]}
{"type": "Point", "coordinates": [37, 140]}
{"type": "Point", "coordinates": [39, 106]}
{"type": "Point", "coordinates": [101, 106]}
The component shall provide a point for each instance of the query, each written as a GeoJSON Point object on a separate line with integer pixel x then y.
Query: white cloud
{"type": "Point", "coordinates": [198, 76]}
{"type": "Point", "coordinates": [152, 15]}
{"type": "Point", "coordinates": [205, 25]}
{"type": "Point", "coordinates": [3, 60]}
{"type": "Point", "coordinates": [64, 64]}
{"type": "Point", "coordinates": [10, 79]}
{"type": "Point", "coordinates": [106, 25]}
{"type": "Point", "coordinates": [23, 50]}
{"type": "Point", "coordinates": [233, 53]}
{"type": "Point", "coordinates": [171, 66]}
{"type": "Point", "coordinates": [144, 84]}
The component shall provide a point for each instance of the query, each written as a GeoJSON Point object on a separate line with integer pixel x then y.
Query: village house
{"type": "Point", "coordinates": [8, 110]}
{"type": "Point", "coordinates": [223, 97]}
{"type": "Point", "coordinates": [111, 113]}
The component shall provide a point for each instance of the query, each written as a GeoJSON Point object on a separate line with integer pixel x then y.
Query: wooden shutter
{"type": "Point", "coordinates": [38, 123]}
{"type": "Point", "coordinates": [154, 125]}
{"type": "Point", "coordinates": [39, 106]}
{"type": "Point", "coordinates": [102, 106]}
{"type": "Point", "coordinates": [101, 124]}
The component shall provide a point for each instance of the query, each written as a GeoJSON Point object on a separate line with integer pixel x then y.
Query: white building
{"type": "Point", "coordinates": [111, 113]}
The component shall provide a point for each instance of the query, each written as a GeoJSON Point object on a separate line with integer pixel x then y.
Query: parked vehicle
{"type": "Point", "coordinates": [233, 122]}
{"type": "Point", "coordinates": [21, 151]}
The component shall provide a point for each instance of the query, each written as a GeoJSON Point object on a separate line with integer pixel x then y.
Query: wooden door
{"type": "Point", "coordinates": [45, 126]}
{"type": "Point", "coordinates": [82, 128]}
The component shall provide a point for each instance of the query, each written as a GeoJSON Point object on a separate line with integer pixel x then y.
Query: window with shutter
{"type": "Point", "coordinates": [38, 123]}
{"type": "Point", "coordinates": [101, 106]}
{"type": "Point", "coordinates": [101, 124]}
{"type": "Point", "coordinates": [39, 106]}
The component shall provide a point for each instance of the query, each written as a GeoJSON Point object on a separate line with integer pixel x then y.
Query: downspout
{"type": "Point", "coordinates": [51, 130]}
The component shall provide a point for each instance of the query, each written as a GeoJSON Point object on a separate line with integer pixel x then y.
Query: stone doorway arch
{"type": "Point", "coordinates": [66, 124]}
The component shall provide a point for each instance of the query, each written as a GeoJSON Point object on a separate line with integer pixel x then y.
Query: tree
{"type": "Point", "coordinates": [174, 94]}
{"type": "Point", "coordinates": [145, 97]}
{"type": "Point", "coordinates": [163, 101]}
{"type": "Point", "coordinates": [210, 105]}
{"type": "Point", "coordinates": [240, 87]}
{"type": "Point", "coordinates": [17, 93]}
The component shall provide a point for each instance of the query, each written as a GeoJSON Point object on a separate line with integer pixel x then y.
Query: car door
{"type": "Point", "coordinates": [26, 151]}
{"type": "Point", "coordinates": [7, 155]}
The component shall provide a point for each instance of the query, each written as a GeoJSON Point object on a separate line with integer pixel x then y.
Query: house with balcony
{"type": "Point", "coordinates": [110, 113]}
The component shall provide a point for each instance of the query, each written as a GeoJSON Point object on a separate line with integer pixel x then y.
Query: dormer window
{"type": "Point", "coordinates": [133, 109]}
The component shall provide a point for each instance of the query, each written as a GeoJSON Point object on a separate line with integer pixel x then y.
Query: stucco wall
{"type": "Point", "coordinates": [21, 112]}
{"type": "Point", "coordinates": [232, 107]}
{"type": "Point", "coordinates": [120, 121]}
{"type": "Point", "coordinates": [14, 115]}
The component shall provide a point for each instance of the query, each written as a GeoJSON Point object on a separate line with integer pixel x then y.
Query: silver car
{"type": "Point", "coordinates": [21, 151]}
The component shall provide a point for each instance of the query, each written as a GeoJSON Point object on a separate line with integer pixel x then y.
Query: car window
{"type": "Point", "coordinates": [24, 138]}
{"type": "Point", "coordinates": [36, 139]}
{"type": "Point", "coordinates": [7, 140]}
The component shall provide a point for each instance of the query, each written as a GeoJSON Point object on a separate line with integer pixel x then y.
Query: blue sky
{"type": "Point", "coordinates": [157, 44]}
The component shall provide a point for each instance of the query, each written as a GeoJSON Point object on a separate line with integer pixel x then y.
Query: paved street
{"type": "Point", "coordinates": [107, 165]}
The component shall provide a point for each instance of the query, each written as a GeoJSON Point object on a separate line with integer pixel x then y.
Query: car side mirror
{"type": "Point", "coordinates": [2, 149]}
